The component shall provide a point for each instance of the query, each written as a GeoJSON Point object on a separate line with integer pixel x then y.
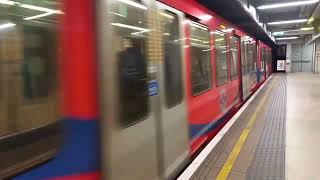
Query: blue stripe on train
{"type": "Point", "coordinates": [197, 130]}
{"type": "Point", "coordinates": [78, 154]}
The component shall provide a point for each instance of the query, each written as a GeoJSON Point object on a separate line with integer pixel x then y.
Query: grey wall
{"type": "Point", "coordinates": [299, 54]}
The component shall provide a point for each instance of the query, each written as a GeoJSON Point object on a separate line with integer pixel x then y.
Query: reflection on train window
{"type": "Point", "coordinates": [200, 58]}
{"type": "Point", "coordinates": [172, 58]}
{"type": "Point", "coordinates": [129, 33]}
{"type": "Point", "coordinates": [252, 56]}
{"type": "Point", "coordinates": [221, 58]}
{"type": "Point", "coordinates": [28, 56]}
{"type": "Point", "coordinates": [37, 60]}
{"type": "Point", "coordinates": [262, 58]}
{"type": "Point", "coordinates": [234, 57]}
{"type": "Point", "coordinates": [244, 57]}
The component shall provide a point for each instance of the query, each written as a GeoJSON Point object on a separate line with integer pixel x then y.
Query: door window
{"type": "Point", "coordinates": [234, 57]}
{"type": "Point", "coordinates": [221, 50]}
{"type": "Point", "coordinates": [172, 58]}
{"type": "Point", "coordinates": [130, 33]}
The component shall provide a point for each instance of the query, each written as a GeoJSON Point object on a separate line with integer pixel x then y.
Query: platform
{"type": "Point", "coordinates": [271, 137]}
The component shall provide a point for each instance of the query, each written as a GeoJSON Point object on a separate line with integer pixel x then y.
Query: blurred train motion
{"type": "Point", "coordinates": [117, 89]}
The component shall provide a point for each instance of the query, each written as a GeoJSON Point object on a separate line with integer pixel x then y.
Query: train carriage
{"type": "Point", "coordinates": [118, 89]}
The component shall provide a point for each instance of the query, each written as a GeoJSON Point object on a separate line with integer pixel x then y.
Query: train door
{"type": "Point", "coordinates": [128, 71]}
{"type": "Point", "coordinates": [173, 130]}
{"type": "Point", "coordinates": [144, 122]}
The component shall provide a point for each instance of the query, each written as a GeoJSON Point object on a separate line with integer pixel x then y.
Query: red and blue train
{"type": "Point", "coordinates": [118, 89]}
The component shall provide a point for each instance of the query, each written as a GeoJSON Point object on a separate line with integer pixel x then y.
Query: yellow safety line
{"type": "Point", "coordinates": [224, 172]}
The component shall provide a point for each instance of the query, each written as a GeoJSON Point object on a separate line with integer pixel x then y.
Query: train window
{"type": "Point", "coordinates": [172, 58]}
{"type": "Point", "coordinates": [200, 58]}
{"type": "Point", "coordinates": [221, 58]}
{"type": "Point", "coordinates": [234, 57]}
{"type": "Point", "coordinates": [28, 83]}
{"type": "Point", "coordinates": [28, 68]}
{"type": "Point", "coordinates": [130, 33]}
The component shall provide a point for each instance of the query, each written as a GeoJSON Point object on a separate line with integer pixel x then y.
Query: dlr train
{"type": "Point", "coordinates": [117, 89]}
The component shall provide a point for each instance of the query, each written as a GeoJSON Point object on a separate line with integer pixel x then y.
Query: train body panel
{"type": "Point", "coordinates": [142, 114]}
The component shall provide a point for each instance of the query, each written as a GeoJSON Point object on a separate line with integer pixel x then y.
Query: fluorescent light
{"type": "Point", "coordinates": [134, 4]}
{"type": "Point", "coordinates": [166, 15]}
{"type": "Point", "coordinates": [198, 26]}
{"type": "Point", "coordinates": [38, 16]}
{"type": "Point", "coordinates": [38, 8]}
{"type": "Point", "coordinates": [7, 2]}
{"type": "Point", "coordinates": [279, 33]}
{"type": "Point", "coordinates": [130, 27]}
{"type": "Point", "coordinates": [140, 32]}
{"type": "Point", "coordinates": [207, 49]}
{"type": "Point", "coordinates": [228, 30]}
{"type": "Point", "coordinates": [288, 22]}
{"type": "Point", "coordinates": [287, 38]}
{"type": "Point", "coordinates": [306, 28]}
{"type": "Point", "coordinates": [167, 34]}
{"type": "Point", "coordinates": [205, 17]}
{"type": "Point", "coordinates": [7, 25]}
{"type": "Point", "coordinates": [117, 14]}
{"type": "Point", "coordinates": [28, 6]}
{"type": "Point", "coordinates": [280, 5]}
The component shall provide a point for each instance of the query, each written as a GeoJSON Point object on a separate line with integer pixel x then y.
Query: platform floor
{"type": "Point", "coordinates": [274, 138]}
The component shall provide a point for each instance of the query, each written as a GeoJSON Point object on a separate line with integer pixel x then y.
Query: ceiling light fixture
{"type": "Point", "coordinates": [288, 22]}
{"type": "Point", "coordinates": [306, 28]}
{"type": "Point", "coordinates": [38, 8]}
{"type": "Point", "coordinates": [7, 25]}
{"type": "Point", "coordinates": [130, 27]}
{"type": "Point", "coordinates": [288, 38]}
{"type": "Point", "coordinates": [7, 2]}
{"type": "Point", "coordinates": [38, 16]}
{"type": "Point", "coordinates": [134, 4]}
{"type": "Point", "coordinates": [205, 17]}
{"type": "Point", "coordinates": [289, 4]}
{"type": "Point", "coordinates": [280, 33]}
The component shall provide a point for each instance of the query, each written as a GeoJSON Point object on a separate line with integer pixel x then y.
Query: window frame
{"type": "Point", "coordinates": [227, 58]}
{"type": "Point", "coordinates": [230, 52]}
{"type": "Point", "coordinates": [190, 59]}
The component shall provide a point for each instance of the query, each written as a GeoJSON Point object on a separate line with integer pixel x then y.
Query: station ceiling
{"type": "Point", "coordinates": [236, 11]}
{"type": "Point", "coordinates": [284, 13]}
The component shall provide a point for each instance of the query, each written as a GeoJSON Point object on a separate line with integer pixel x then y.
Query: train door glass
{"type": "Point", "coordinates": [200, 58]}
{"type": "Point", "coordinates": [28, 83]}
{"type": "Point", "coordinates": [234, 57]}
{"type": "Point", "coordinates": [221, 57]}
{"type": "Point", "coordinates": [245, 67]}
{"type": "Point", "coordinates": [173, 127]}
{"type": "Point", "coordinates": [172, 57]}
{"type": "Point", "coordinates": [130, 93]}
{"type": "Point", "coordinates": [252, 61]}
{"type": "Point", "coordinates": [263, 60]}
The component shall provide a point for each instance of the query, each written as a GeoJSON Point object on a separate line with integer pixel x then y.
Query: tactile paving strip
{"type": "Point", "coordinates": [206, 171]}
{"type": "Point", "coordinates": [269, 159]}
